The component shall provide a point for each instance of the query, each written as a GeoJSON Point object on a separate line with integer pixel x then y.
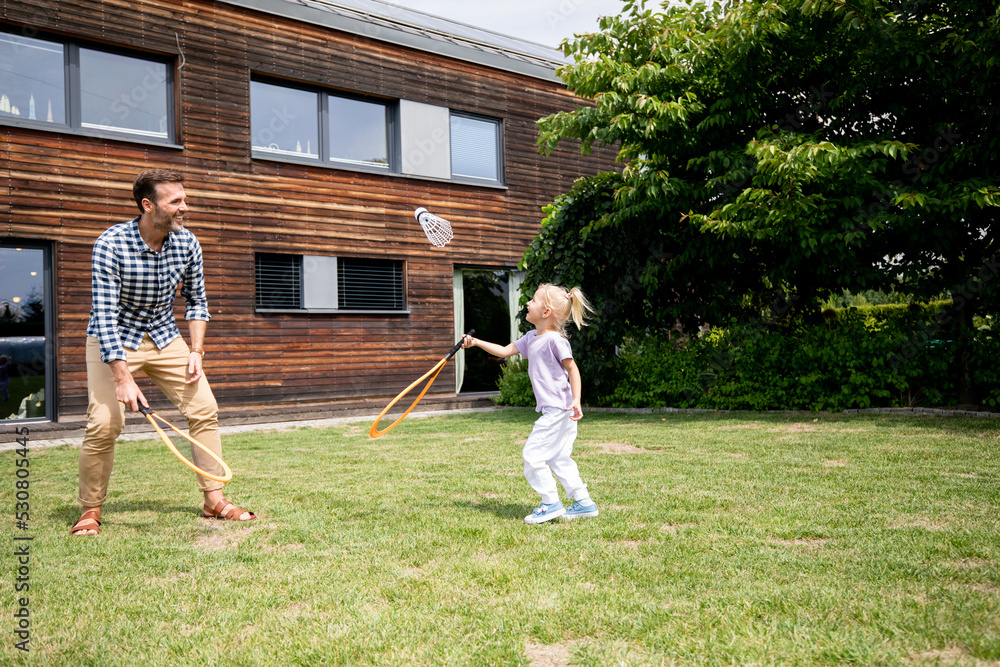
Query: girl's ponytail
{"type": "Point", "coordinates": [580, 308]}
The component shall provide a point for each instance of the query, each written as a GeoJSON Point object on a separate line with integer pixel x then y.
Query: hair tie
{"type": "Point", "coordinates": [569, 296]}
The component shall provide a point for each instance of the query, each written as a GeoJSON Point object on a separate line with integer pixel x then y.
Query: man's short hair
{"type": "Point", "coordinates": [144, 186]}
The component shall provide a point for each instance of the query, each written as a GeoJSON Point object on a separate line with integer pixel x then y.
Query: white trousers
{"type": "Point", "coordinates": [547, 452]}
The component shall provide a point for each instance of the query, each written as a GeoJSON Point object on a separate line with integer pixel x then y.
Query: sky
{"type": "Point", "coordinates": [546, 22]}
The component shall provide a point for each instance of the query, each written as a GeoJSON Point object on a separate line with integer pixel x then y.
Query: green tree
{"type": "Point", "coordinates": [788, 148]}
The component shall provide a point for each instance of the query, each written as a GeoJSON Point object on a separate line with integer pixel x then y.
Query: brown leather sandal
{"type": "Point", "coordinates": [88, 521]}
{"type": "Point", "coordinates": [226, 511]}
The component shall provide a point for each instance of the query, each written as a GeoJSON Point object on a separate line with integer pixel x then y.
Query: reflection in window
{"type": "Point", "coordinates": [284, 121]}
{"type": "Point", "coordinates": [22, 333]}
{"type": "Point", "coordinates": [358, 132]}
{"type": "Point", "coordinates": [475, 148]}
{"type": "Point", "coordinates": [62, 83]}
{"type": "Point", "coordinates": [32, 79]}
{"type": "Point", "coordinates": [486, 298]}
{"type": "Point", "coordinates": [123, 94]}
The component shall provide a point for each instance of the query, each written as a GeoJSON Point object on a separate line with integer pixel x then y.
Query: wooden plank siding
{"type": "Point", "coordinates": [68, 188]}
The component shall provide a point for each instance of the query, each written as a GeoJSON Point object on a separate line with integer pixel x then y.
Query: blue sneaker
{"type": "Point", "coordinates": [578, 510]}
{"type": "Point", "coordinates": [545, 513]}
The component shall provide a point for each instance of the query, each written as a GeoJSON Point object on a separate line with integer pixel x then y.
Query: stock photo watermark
{"type": "Point", "coordinates": [962, 296]}
{"type": "Point", "coordinates": [21, 551]}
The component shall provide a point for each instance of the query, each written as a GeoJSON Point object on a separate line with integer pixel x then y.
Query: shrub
{"type": "Point", "coordinates": [659, 372]}
{"type": "Point", "coordinates": [890, 355]}
{"type": "Point", "coordinates": [515, 385]}
{"type": "Point", "coordinates": [880, 356]}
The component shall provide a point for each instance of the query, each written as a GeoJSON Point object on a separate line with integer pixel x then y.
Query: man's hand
{"type": "Point", "coordinates": [194, 367]}
{"type": "Point", "coordinates": [126, 390]}
{"type": "Point", "coordinates": [197, 330]}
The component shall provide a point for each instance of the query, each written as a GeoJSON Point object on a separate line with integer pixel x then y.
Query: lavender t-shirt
{"type": "Point", "coordinates": [549, 378]}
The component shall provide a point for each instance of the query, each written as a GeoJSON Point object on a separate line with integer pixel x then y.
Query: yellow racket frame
{"type": "Point", "coordinates": [374, 431]}
{"type": "Point", "coordinates": [154, 418]}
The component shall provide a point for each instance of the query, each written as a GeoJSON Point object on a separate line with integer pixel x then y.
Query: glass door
{"type": "Point", "coordinates": [25, 383]}
{"type": "Point", "coordinates": [485, 300]}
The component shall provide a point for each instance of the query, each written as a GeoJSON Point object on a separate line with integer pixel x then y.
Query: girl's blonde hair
{"type": "Point", "coordinates": [566, 304]}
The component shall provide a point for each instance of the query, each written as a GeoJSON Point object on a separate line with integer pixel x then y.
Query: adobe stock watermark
{"type": "Point", "coordinates": [563, 12]}
{"type": "Point", "coordinates": [141, 90]}
{"type": "Point", "coordinates": [903, 11]}
{"type": "Point", "coordinates": [266, 133]}
{"type": "Point", "coordinates": [816, 99]}
{"type": "Point", "coordinates": [123, 105]}
{"type": "Point", "coordinates": [21, 552]}
{"type": "Point", "coordinates": [916, 167]}
{"type": "Point", "coordinates": [780, 306]}
{"type": "Point", "coordinates": [423, 149]}
{"type": "Point", "coordinates": [629, 284]}
{"type": "Point", "coordinates": [962, 295]}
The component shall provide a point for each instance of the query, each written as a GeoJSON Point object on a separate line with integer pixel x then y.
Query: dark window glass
{"type": "Point", "coordinates": [370, 284]}
{"type": "Point", "coordinates": [279, 281]}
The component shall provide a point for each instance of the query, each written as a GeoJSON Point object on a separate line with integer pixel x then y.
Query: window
{"type": "Point", "coordinates": [279, 281]}
{"type": "Point", "coordinates": [26, 371]}
{"type": "Point", "coordinates": [50, 83]}
{"type": "Point", "coordinates": [313, 283]}
{"type": "Point", "coordinates": [300, 124]}
{"type": "Point", "coordinates": [475, 149]}
{"type": "Point", "coordinates": [284, 121]}
{"type": "Point", "coordinates": [32, 79]}
{"type": "Point", "coordinates": [369, 284]}
{"type": "Point", "coordinates": [358, 132]}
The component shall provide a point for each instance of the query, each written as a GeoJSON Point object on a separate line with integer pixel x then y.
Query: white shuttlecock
{"type": "Point", "coordinates": [438, 230]}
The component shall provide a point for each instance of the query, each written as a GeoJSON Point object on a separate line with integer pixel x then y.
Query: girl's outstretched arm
{"type": "Point", "coordinates": [502, 351]}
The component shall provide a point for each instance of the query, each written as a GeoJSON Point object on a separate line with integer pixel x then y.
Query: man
{"type": "Point", "coordinates": [137, 267]}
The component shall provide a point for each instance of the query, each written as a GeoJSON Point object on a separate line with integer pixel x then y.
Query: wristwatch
{"type": "Point", "coordinates": [199, 350]}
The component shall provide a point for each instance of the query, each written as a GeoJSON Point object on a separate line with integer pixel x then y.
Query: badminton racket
{"type": "Point", "coordinates": [374, 431]}
{"type": "Point", "coordinates": [438, 230]}
{"type": "Point", "coordinates": [159, 423]}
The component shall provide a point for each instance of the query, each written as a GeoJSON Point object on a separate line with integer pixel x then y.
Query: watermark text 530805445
{"type": "Point", "coordinates": [22, 543]}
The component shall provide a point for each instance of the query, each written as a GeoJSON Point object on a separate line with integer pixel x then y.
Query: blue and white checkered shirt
{"type": "Point", "coordinates": [134, 288]}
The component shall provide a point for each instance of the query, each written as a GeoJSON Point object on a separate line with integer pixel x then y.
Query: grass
{"type": "Point", "coordinates": [723, 539]}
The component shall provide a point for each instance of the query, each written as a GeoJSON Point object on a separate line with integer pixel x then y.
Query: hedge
{"type": "Point", "coordinates": [860, 357]}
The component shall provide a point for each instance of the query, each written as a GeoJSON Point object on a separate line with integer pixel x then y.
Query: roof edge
{"type": "Point", "coordinates": [453, 49]}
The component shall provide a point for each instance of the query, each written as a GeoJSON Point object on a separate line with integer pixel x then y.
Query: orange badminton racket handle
{"type": "Point", "coordinates": [154, 418]}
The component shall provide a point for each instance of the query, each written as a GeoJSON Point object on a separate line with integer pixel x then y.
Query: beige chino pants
{"type": "Point", "coordinates": [167, 368]}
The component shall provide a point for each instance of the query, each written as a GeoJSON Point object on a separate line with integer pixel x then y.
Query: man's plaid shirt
{"type": "Point", "coordinates": [134, 288]}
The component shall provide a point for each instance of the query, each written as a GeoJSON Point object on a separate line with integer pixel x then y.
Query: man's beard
{"type": "Point", "coordinates": [165, 223]}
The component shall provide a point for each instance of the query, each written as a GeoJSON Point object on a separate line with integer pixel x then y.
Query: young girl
{"type": "Point", "coordinates": [555, 380]}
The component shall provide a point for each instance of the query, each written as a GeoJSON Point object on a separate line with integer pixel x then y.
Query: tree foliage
{"type": "Point", "coordinates": [779, 149]}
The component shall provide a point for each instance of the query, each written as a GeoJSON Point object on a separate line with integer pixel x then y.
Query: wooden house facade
{"type": "Point", "coordinates": [308, 132]}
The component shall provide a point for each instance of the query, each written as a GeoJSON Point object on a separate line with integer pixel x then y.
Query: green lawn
{"type": "Point", "coordinates": [723, 539]}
